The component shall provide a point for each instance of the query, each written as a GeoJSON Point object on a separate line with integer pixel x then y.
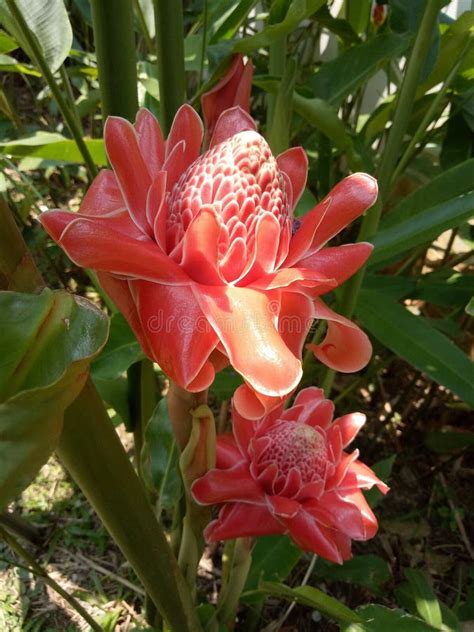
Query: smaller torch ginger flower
{"type": "Point", "coordinates": [288, 473]}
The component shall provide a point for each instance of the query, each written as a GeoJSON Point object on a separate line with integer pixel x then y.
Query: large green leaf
{"type": "Point", "coordinates": [121, 351]}
{"type": "Point", "coordinates": [48, 21]}
{"type": "Point", "coordinates": [413, 339]}
{"type": "Point", "coordinates": [426, 602]}
{"type": "Point", "coordinates": [160, 457]}
{"type": "Point", "coordinates": [47, 343]}
{"type": "Point", "coordinates": [377, 618]}
{"type": "Point", "coordinates": [309, 596]}
{"type": "Point", "coordinates": [52, 146]}
{"type": "Point", "coordinates": [342, 76]}
{"type": "Point", "coordinates": [366, 570]}
{"type": "Point", "coordinates": [273, 558]}
{"type": "Point", "coordinates": [298, 10]}
{"type": "Point", "coordinates": [449, 184]}
{"type": "Point", "coordinates": [421, 228]}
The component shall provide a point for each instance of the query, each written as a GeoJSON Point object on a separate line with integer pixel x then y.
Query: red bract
{"type": "Point", "coordinates": [288, 473]}
{"type": "Point", "coordinates": [202, 255]}
{"type": "Point", "coordinates": [233, 89]}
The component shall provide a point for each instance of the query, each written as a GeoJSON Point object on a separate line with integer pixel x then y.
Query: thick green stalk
{"type": "Point", "coordinates": [230, 595]}
{"type": "Point", "coordinates": [170, 51]}
{"type": "Point", "coordinates": [114, 39]}
{"type": "Point", "coordinates": [404, 106]}
{"type": "Point", "coordinates": [39, 571]}
{"type": "Point", "coordinates": [93, 454]}
{"type": "Point", "coordinates": [68, 114]}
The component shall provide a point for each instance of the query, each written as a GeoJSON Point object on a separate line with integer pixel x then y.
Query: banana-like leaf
{"type": "Point", "coordinates": [48, 341]}
{"type": "Point", "coordinates": [48, 21]}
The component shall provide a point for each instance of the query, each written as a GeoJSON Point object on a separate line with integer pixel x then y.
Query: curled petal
{"type": "Point", "coordinates": [241, 520]}
{"type": "Point", "coordinates": [178, 333]}
{"type": "Point", "coordinates": [130, 168]}
{"type": "Point", "coordinates": [345, 348]}
{"type": "Point", "coordinates": [346, 201]}
{"type": "Point", "coordinates": [252, 404]}
{"type": "Point", "coordinates": [243, 430]}
{"type": "Point", "coordinates": [200, 248]}
{"type": "Point", "coordinates": [103, 198]}
{"type": "Point", "coordinates": [338, 263]}
{"type": "Point", "coordinates": [349, 425]}
{"type": "Point", "coordinates": [267, 236]}
{"type": "Point", "coordinates": [102, 244]}
{"type": "Point", "coordinates": [227, 452]}
{"type": "Point", "coordinates": [294, 163]}
{"type": "Point", "coordinates": [232, 485]}
{"type": "Point", "coordinates": [150, 140]}
{"type": "Point", "coordinates": [309, 395]}
{"type": "Point", "coordinates": [244, 320]}
{"type": "Point", "coordinates": [156, 209]}
{"type": "Point", "coordinates": [122, 296]}
{"type": "Point", "coordinates": [187, 128]}
{"type": "Point", "coordinates": [311, 536]}
{"type": "Point", "coordinates": [366, 478]}
{"type": "Point", "coordinates": [283, 507]}
{"type": "Point", "coordinates": [231, 122]}
{"type": "Point", "coordinates": [369, 521]}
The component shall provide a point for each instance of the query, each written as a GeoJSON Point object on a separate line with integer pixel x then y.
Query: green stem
{"type": "Point", "coordinates": [429, 116]}
{"type": "Point", "coordinates": [18, 525]}
{"type": "Point", "coordinates": [230, 595]}
{"type": "Point", "coordinates": [94, 456]}
{"type": "Point", "coordinates": [39, 571]}
{"type": "Point", "coordinates": [276, 68]}
{"type": "Point", "coordinates": [70, 96]}
{"type": "Point", "coordinates": [143, 25]}
{"type": "Point", "coordinates": [92, 453]}
{"type": "Point", "coordinates": [204, 42]}
{"type": "Point", "coordinates": [39, 60]}
{"type": "Point", "coordinates": [170, 51]}
{"type": "Point", "coordinates": [405, 101]}
{"type": "Point", "coordinates": [115, 46]}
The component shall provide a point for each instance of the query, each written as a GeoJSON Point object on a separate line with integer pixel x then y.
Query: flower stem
{"type": "Point", "coordinates": [92, 453]}
{"type": "Point", "coordinates": [39, 571]}
{"type": "Point", "coordinates": [114, 37]}
{"type": "Point", "coordinates": [180, 404]}
{"type": "Point", "coordinates": [170, 51]}
{"type": "Point", "coordinates": [230, 594]}
{"type": "Point", "coordinates": [404, 105]}
{"type": "Point", "coordinates": [68, 114]}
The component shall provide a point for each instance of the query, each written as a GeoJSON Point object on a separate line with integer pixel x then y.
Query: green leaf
{"type": "Point", "coordinates": [449, 184]}
{"type": "Point", "coordinates": [469, 309]}
{"type": "Point", "coordinates": [452, 43]}
{"type": "Point", "coordinates": [338, 26]}
{"type": "Point", "coordinates": [377, 618]}
{"type": "Point", "coordinates": [10, 64]}
{"type": "Point", "coordinates": [445, 287]}
{"type": "Point", "coordinates": [47, 343]}
{"type": "Point", "coordinates": [115, 393]}
{"type": "Point", "coordinates": [411, 338]}
{"type": "Point", "coordinates": [422, 228]}
{"type": "Point", "coordinates": [444, 441]}
{"type": "Point", "coordinates": [273, 558]}
{"type": "Point", "coordinates": [232, 21]}
{"type": "Point", "coordinates": [51, 146]}
{"type": "Point", "coordinates": [48, 21]}
{"type": "Point", "coordinates": [309, 596]}
{"type": "Point", "coordinates": [226, 382]}
{"type": "Point", "coordinates": [121, 351]}
{"type": "Point", "coordinates": [298, 10]}
{"type": "Point", "coordinates": [365, 570]}
{"type": "Point", "coordinates": [342, 76]}
{"type": "Point", "coordinates": [426, 603]}
{"type": "Point", "coordinates": [160, 457]}
{"type": "Point", "coordinates": [457, 146]}
{"type": "Point", "coordinates": [7, 43]}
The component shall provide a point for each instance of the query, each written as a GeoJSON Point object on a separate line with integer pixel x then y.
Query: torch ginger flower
{"type": "Point", "coordinates": [201, 254]}
{"type": "Point", "coordinates": [288, 473]}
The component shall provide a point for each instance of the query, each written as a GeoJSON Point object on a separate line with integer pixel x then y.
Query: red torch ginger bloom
{"type": "Point", "coordinates": [288, 473]}
{"type": "Point", "coordinates": [201, 254]}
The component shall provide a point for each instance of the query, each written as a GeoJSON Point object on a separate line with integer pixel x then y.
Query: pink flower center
{"type": "Point", "coordinates": [240, 180]}
{"type": "Point", "coordinates": [295, 446]}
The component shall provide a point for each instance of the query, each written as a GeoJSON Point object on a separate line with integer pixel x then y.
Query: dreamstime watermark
{"type": "Point", "coordinates": [240, 324]}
